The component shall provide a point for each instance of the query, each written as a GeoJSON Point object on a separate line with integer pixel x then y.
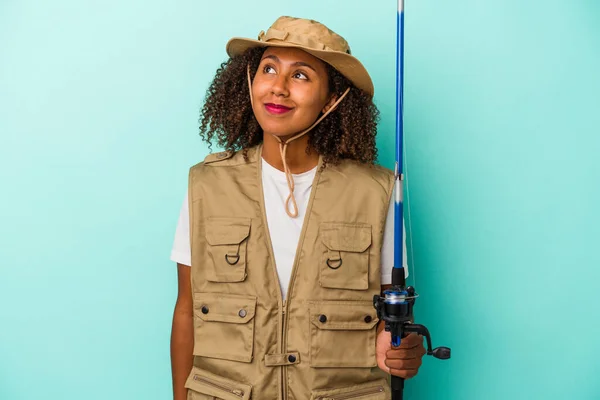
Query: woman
{"type": "Point", "coordinates": [286, 236]}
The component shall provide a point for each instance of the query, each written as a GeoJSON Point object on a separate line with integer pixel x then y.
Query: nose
{"type": "Point", "coordinates": [280, 86]}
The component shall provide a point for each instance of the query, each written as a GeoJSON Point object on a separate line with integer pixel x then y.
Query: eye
{"type": "Point", "coordinates": [300, 75]}
{"type": "Point", "coordinates": [268, 69]}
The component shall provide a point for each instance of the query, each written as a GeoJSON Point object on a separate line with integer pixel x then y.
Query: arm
{"type": "Point", "coordinates": [182, 334]}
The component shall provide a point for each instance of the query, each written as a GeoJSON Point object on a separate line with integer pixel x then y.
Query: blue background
{"type": "Point", "coordinates": [99, 105]}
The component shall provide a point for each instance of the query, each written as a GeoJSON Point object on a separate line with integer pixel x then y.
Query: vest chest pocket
{"type": "Point", "coordinates": [342, 334]}
{"type": "Point", "coordinates": [345, 260]}
{"type": "Point", "coordinates": [224, 326]}
{"type": "Point", "coordinates": [227, 244]}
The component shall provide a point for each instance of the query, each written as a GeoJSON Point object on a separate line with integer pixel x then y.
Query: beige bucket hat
{"type": "Point", "coordinates": [314, 38]}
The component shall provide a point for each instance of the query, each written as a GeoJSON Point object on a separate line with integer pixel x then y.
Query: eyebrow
{"type": "Point", "coordinates": [296, 64]}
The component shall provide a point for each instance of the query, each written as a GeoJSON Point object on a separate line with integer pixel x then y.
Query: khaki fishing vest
{"type": "Point", "coordinates": [320, 342]}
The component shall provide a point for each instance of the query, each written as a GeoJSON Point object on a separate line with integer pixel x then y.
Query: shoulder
{"type": "Point", "coordinates": [226, 158]}
{"type": "Point", "coordinates": [216, 157]}
{"type": "Point", "coordinates": [359, 170]}
{"type": "Point", "coordinates": [367, 177]}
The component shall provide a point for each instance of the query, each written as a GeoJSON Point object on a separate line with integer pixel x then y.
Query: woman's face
{"type": "Point", "coordinates": [290, 90]}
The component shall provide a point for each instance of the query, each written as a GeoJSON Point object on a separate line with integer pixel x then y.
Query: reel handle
{"type": "Point", "coordinates": [442, 353]}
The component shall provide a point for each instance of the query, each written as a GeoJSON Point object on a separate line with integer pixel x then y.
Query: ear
{"type": "Point", "coordinates": [330, 102]}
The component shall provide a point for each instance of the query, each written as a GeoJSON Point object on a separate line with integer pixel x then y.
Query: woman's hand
{"type": "Point", "coordinates": [403, 361]}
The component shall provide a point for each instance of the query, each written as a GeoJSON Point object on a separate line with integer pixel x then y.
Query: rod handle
{"type": "Point", "coordinates": [397, 388]}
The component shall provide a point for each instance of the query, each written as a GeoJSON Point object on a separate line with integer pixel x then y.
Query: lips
{"type": "Point", "coordinates": [277, 108]}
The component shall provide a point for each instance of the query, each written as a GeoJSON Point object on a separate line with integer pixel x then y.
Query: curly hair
{"type": "Point", "coordinates": [348, 132]}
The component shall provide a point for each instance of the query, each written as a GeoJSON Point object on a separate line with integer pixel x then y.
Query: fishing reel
{"type": "Point", "coordinates": [395, 307]}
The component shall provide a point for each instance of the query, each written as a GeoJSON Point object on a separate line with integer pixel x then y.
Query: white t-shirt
{"type": "Point", "coordinates": [285, 231]}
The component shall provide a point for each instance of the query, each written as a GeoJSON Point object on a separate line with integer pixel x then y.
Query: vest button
{"type": "Point", "coordinates": [323, 318]}
{"type": "Point", "coordinates": [292, 358]}
{"type": "Point", "coordinates": [204, 310]}
{"type": "Point", "coordinates": [242, 313]}
{"type": "Point", "coordinates": [368, 319]}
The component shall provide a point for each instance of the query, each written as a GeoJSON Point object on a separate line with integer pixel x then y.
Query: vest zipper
{"type": "Point", "coordinates": [352, 395]}
{"type": "Point", "coordinates": [280, 301]}
{"type": "Point", "coordinates": [284, 314]}
{"type": "Point", "coordinates": [299, 247]}
{"type": "Point", "coordinates": [283, 370]}
{"type": "Point", "coordinates": [236, 392]}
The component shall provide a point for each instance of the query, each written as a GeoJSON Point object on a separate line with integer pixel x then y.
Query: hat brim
{"type": "Point", "coordinates": [346, 64]}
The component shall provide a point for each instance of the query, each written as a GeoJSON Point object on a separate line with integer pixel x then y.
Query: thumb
{"type": "Point", "coordinates": [383, 344]}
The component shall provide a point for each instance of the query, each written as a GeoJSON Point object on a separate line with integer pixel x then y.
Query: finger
{"type": "Point", "coordinates": [394, 352]}
{"type": "Point", "coordinates": [403, 364]}
{"type": "Point", "coordinates": [412, 340]}
{"type": "Point", "coordinates": [404, 373]}
{"type": "Point", "coordinates": [403, 354]}
{"type": "Point", "coordinates": [411, 343]}
{"type": "Point", "coordinates": [382, 366]}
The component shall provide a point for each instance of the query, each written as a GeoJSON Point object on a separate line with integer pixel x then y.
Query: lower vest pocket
{"type": "Point", "coordinates": [224, 326]}
{"type": "Point", "coordinates": [203, 385]}
{"type": "Point", "coordinates": [377, 390]}
{"type": "Point", "coordinates": [342, 334]}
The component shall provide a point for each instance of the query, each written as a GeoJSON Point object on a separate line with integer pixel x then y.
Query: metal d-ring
{"type": "Point", "coordinates": [331, 266]}
{"type": "Point", "coordinates": [235, 257]}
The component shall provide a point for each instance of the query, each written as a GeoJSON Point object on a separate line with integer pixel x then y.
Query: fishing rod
{"type": "Point", "coordinates": [395, 306]}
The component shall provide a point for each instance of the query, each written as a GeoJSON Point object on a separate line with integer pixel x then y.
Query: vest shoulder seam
{"type": "Point", "coordinates": [220, 156]}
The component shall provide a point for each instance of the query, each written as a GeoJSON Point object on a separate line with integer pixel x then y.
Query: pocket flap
{"type": "Point", "coordinates": [341, 236]}
{"type": "Point", "coordinates": [343, 315]}
{"type": "Point", "coordinates": [226, 230]}
{"type": "Point", "coordinates": [230, 308]}
{"type": "Point", "coordinates": [213, 385]}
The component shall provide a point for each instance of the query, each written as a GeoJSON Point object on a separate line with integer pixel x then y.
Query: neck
{"type": "Point", "coordinates": [298, 160]}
